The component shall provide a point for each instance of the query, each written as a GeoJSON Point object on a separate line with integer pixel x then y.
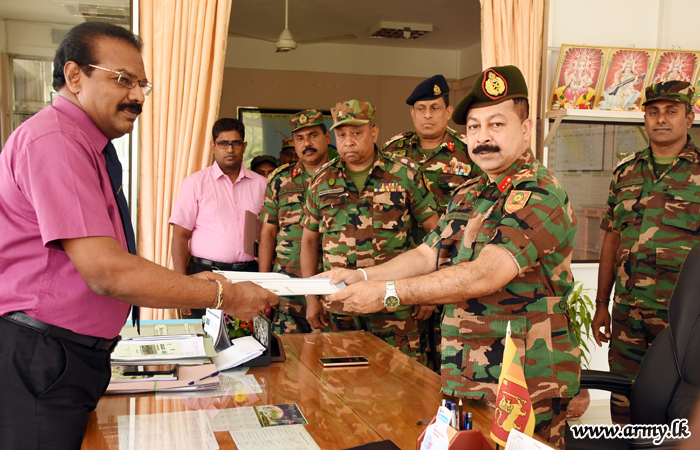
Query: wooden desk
{"type": "Point", "coordinates": [345, 407]}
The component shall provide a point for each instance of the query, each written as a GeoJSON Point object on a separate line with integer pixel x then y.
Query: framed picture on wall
{"type": "Point", "coordinates": [266, 128]}
{"type": "Point", "coordinates": [623, 81]}
{"type": "Point", "coordinates": [696, 97]}
{"type": "Point", "coordinates": [670, 65]}
{"type": "Point", "coordinates": [577, 77]}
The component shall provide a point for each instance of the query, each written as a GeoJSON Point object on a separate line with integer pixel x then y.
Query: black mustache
{"type": "Point", "coordinates": [486, 148]}
{"type": "Point", "coordinates": [136, 108]}
{"type": "Point", "coordinates": [309, 149]}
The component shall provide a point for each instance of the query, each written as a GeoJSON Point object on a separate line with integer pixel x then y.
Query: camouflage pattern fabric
{"type": "Point", "coordinates": [409, 337]}
{"type": "Point", "coordinates": [282, 207]}
{"type": "Point", "coordinates": [673, 91]}
{"type": "Point", "coordinates": [352, 112]}
{"type": "Point", "coordinates": [658, 220]}
{"type": "Point", "coordinates": [362, 229]}
{"type": "Point", "coordinates": [305, 119]}
{"type": "Point", "coordinates": [633, 331]}
{"type": "Point", "coordinates": [526, 212]}
{"type": "Point", "coordinates": [550, 420]}
{"type": "Point", "coordinates": [445, 167]}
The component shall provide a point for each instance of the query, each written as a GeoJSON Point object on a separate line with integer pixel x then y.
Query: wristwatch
{"type": "Point", "coordinates": [391, 298]}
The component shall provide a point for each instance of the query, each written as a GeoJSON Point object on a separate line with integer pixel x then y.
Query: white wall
{"type": "Point", "coordinates": [3, 35]}
{"type": "Point", "coordinates": [244, 53]}
{"type": "Point", "coordinates": [31, 39]}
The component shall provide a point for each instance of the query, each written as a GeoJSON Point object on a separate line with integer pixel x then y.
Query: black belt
{"type": "Point", "coordinates": [222, 265]}
{"type": "Point", "coordinates": [61, 333]}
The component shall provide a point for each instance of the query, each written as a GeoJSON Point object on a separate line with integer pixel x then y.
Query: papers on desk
{"type": "Point", "coordinates": [294, 437]}
{"type": "Point", "coordinates": [251, 417]}
{"type": "Point", "coordinates": [284, 285]}
{"type": "Point", "coordinates": [243, 350]}
{"type": "Point", "coordinates": [159, 348]}
{"type": "Point", "coordinates": [185, 374]}
{"type": "Point", "coordinates": [521, 441]}
{"type": "Point", "coordinates": [187, 430]}
{"type": "Point", "coordinates": [229, 384]}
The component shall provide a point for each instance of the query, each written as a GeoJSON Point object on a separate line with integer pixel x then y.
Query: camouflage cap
{"type": "Point", "coordinates": [352, 112]}
{"type": "Point", "coordinates": [672, 91]}
{"type": "Point", "coordinates": [261, 159]}
{"type": "Point", "coordinates": [305, 119]}
{"type": "Point", "coordinates": [430, 89]}
{"type": "Point", "coordinates": [493, 86]}
{"type": "Point", "coordinates": [287, 142]}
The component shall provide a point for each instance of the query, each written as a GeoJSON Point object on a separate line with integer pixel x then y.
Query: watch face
{"type": "Point", "coordinates": [391, 301]}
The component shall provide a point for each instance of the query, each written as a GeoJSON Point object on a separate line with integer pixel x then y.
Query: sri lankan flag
{"type": "Point", "coordinates": [513, 405]}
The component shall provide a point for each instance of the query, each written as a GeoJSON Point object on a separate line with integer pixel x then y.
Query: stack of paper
{"type": "Point", "coordinates": [281, 284]}
{"type": "Point", "coordinates": [199, 375]}
{"type": "Point", "coordinates": [162, 350]}
{"type": "Point", "coordinates": [243, 350]}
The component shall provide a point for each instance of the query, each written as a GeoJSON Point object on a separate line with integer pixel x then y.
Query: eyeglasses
{"type": "Point", "coordinates": [128, 81]}
{"type": "Point", "coordinates": [223, 145]}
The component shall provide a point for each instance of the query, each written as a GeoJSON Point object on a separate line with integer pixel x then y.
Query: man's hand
{"type": "Point", "coordinates": [346, 275]}
{"type": "Point", "coordinates": [601, 318]}
{"type": "Point", "coordinates": [314, 313]}
{"type": "Point", "coordinates": [245, 300]}
{"type": "Point", "coordinates": [365, 297]}
{"type": "Point", "coordinates": [422, 312]}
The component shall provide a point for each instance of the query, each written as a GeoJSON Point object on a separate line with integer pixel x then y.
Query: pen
{"type": "Point", "coordinates": [423, 422]}
{"type": "Point", "coordinates": [469, 421]}
{"type": "Point", "coordinates": [461, 417]}
{"type": "Point", "coordinates": [204, 378]}
{"type": "Point", "coordinates": [453, 409]}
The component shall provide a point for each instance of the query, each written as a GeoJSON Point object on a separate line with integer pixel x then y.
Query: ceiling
{"type": "Point", "coordinates": [456, 23]}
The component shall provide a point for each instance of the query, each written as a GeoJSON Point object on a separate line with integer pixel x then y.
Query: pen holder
{"type": "Point", "coordinates": [465, 439]}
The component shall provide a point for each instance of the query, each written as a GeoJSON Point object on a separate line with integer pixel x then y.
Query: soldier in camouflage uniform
{"type": "Point", "coordinates": [652, 222]}
{"type": "Point", "coordinates": [440, 151]}
{"type": "Point", "coordinates": [360, 210]}
{"type": "Point", "coordinates": [442, 155]}
{"type": "Point", "coordinates": [280, 236]}
{"type": "Point", "coordinates": [503, 251]}
{"type": "Point", "coordinates": [288, 154]}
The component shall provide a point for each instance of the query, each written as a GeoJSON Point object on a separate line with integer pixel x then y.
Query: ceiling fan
{"type": "Point", "coordinates": [286, 41]}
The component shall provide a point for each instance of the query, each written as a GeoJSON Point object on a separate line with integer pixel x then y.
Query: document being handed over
{"type": "Point", "coordinates": [281, 284]}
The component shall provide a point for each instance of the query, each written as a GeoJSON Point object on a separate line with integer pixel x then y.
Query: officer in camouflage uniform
{"type": "Point", "coordinates": [652, 222]}
{"type": "Point", "coordinates": [360, 210]}
{"type": "Point", "coordinates": [288, 154]}
{"type": "Point", "coordinates": [280, 236]}
{"type": "Point", "coordinates": [440, 151]}
{"type": "Point", "coordinates": [503, 251]}
{"type": "Point", "coordinates": [442, 155]}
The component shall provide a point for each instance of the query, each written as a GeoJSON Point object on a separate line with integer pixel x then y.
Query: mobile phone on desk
{"type": "Point", "coordinates": [345, 361]}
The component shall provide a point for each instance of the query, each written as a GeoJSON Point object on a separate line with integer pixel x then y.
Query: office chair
{"type": "Point", "coordinates": [666, 387]}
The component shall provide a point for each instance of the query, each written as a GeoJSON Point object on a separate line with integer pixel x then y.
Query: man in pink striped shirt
{"type": "Point", "coordinates": [208, 217]}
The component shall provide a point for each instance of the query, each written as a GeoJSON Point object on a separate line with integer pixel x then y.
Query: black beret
{"type": "Point", "coordinates": [430, 89]}
{"type": "Point", "coordinates": [493, 86]}
{"type": "Point", "coordinates": [261, 159]}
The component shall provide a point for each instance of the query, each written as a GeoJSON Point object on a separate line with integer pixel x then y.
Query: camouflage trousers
{"type": "Point", "coordinates": [398, 329]}
{"type": "Point", "coordinates": [633, 330]}
{"type": "Point", "coordinates": [286, 323]}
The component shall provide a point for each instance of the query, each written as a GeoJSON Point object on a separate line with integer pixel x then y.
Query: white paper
{"type": "Point", "coordinates": [243, 350]}
{"type": "Point", "coordinates": [292, 437]}
{"type": "Point", "coordinates": [187, 430]}
{"type": "Point", "coordinates": [435, 437]}
{"type": "Point", "coordinates": [229, 385]}
{"type": "Point", "coordinates": [213, 322]}
{"type": "Point", "coordinates": [234, 419]}
{"type": "Point", "coordinates": [521, 441]}
{"type": "Point", "coordinates": [284, 285]}
{"type": "Point", "coordinates": [160, 349]}
{"type": "Point", "coordinates": [246, 276]}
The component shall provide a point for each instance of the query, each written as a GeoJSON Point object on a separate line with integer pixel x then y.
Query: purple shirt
{"type": "Point", "coordinates": [54, 185]}
{"type": "Point", "coordinates": [213, 209]}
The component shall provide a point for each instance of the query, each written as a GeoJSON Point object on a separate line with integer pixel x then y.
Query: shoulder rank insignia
{"type": "Point", "coordinates": [516, 201]}
{"type": "Point", "coordinates": [505, 184]}
{"type": "Point", "coordinates": [395, 138]}
{"type": "Point", "coordinates": [626, 160]}
{"type": "Point", "coordinates": [274, 173]}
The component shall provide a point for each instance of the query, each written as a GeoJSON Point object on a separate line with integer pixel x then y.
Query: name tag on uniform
{"type": "Point", "coordinates": [457, 168]}
{"type": "Point", "coordinates": [631, 182]}
{"type": "Point", "coordinates": [389, 187]}
{"type": "Point", "coordinates": [337, 190]}
{"type": "Point", "coordinates": [292, 189]}
{"type": "Point", "coordinates": [457, 216]}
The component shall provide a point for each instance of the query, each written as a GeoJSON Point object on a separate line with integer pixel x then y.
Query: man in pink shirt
{"type": "Point", "coordinates": [66, 277]}
{"type": "Point", "coordinates": [208, 218]}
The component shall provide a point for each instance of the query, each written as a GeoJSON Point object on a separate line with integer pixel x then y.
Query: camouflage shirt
{"type": "Point", "coordinates": [361, 229]}
{"type": "Point", "coordinates": [658, 220]}
{"type": "Point", "coordinates": [283, 207]}
{"type": "Point", "coordinates": [445, 167]}
{"type": "Point", "coordinates": [526, 212]}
